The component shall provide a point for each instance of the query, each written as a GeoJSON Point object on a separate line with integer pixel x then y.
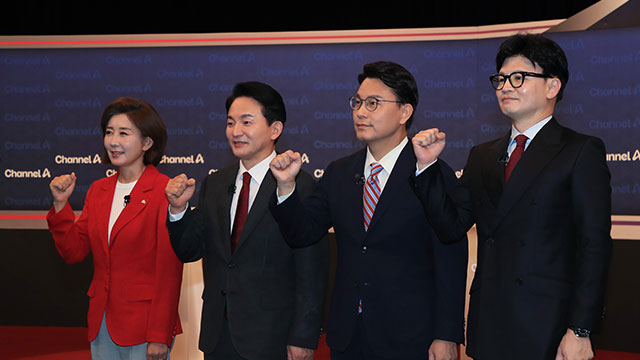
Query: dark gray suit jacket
{"type": "Point", "coordinates": [273, 295]}
{"type": "Point", "coordinates": [543, 240]}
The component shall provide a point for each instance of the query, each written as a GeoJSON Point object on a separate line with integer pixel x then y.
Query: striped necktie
{"type": "Point", "coordinates": [371, 194]}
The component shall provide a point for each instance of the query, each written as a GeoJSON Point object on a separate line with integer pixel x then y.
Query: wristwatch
{"type": "Point", "coordinates": [580, 332]}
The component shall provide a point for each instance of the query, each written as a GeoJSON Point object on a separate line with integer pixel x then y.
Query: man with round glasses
{"type": "Point", "coordinates": [398, 291]}
{"type": "Point", "coordinates": [540, 197]}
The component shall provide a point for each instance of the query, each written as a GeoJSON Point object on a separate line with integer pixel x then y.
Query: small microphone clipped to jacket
{"type": "Point", "coordinates": [503, 159]}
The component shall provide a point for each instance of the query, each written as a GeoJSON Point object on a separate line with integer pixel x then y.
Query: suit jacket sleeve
{"type": "Point", "coordinates": [450, 265]}
{"type": "Point", "coordinates": [71, 237]}
{"type": "Point", "coordinates": [312, 270]}
{"type": "Point", "coordinates": [188, 234]}
{"type": "Point", "coordinates": [304, 223]}
{"type": "Point", "coordinates": [591, 197]}
{"type": "Point", "coordinates": [448, 208]}
{"type": "Point", "coordinates": [163, 322]}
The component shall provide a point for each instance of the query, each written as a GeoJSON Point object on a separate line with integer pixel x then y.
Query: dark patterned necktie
{"type": "Point", "coordinates": [241, 211]}
{"type": "Point", "coordinates": [515, 156]}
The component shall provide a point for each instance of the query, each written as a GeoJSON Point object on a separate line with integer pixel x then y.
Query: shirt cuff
{"type": "Point", "coordinates": [281, 199]}
{"type": "Point", "coordinates": [418, 171]}
{"type": "Point", "coordinates": [178, 216]}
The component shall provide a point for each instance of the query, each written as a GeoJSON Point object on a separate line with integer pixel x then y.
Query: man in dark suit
{"type": "Point", "coordinates": [399, 291]}
{"type": "Point", "coordinates": [543, 225]}
{"type": "Point", "coordinates": [262, 300]}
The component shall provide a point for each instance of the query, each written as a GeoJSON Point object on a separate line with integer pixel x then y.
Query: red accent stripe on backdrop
{"type": "Point", "coordinates": [266, 38]}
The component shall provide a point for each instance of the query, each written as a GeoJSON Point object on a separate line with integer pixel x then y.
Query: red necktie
{"type": "Point", "coordinates": [371, 194]}
{"type": "Point", "coordinates": [515, 156]}
{"type": "Point", "coordinates": [241, 211]}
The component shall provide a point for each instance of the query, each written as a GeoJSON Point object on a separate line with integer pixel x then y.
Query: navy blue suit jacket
{"type": "Point", "coordinates": [411, 284]}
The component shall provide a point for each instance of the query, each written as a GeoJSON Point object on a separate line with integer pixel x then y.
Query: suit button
{"type": "Point", "coordinates": [355, 284]}
{"type": "Point", "coordinates": [364, 249]}
{"type": "Point", "coordinates": [366, 284]}
{"type": "Point", "coordinates": [522, 243]}
{"type": "Point", "coordinates": [490, 240]}
{"type": "Point", "coordinates": [519, 281]}
{"type": "Point", "coordinates": [223, 293]}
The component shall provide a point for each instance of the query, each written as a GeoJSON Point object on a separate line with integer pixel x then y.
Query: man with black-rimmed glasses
{"type": "Point", "coordinates": [540, 197]}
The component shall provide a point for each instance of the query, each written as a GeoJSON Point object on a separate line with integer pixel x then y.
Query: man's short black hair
{"type": "Point", "coordinates": [539, 50]}
{"type": "Point", "coordinates": [396, 77]}
{"type": "Point", "coordinates": [272, 103]}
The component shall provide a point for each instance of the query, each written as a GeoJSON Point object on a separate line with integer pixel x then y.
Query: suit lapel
{"type": "Point", "coordinates": [223, 209]}
{"type": "Point", "coordinates": [353, 195]}
{"type": "Point", "coordinates": [493, 169]}
{"type": "Point", "coordinates": [103, 206]}
{"type": "Point", "coordinates": [139, 198]}
{"type": "Point", "coordinates": [542, 149]}
{"type": "Point", "coordinates": [258, 208]}
{"type": "Point", "coordinates": [402, 169]}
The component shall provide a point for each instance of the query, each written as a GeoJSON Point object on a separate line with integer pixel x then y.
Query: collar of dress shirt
{"type": "Point", "coordinates": [530, 133]}
{"type": "Point", "coordinates": [388, 161]}
{"type": "Point", "coordinates": [258, 171]}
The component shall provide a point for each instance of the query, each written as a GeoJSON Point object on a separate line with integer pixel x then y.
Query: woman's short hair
{"type": "Point", "coordinates": [144, 117]}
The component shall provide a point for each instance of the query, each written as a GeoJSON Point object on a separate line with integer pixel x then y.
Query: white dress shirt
{"type": "Point", "coordinates": [388, 161]}
{"type": "Point", "coordinates": [530, 133]}
{"type": "Point", "coordinates": [258, 172]}
{"type": "Point", "coordinates": [118, 204]}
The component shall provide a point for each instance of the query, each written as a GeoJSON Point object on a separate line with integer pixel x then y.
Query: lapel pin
{"type": "Point", "coordinates": [143, 201]}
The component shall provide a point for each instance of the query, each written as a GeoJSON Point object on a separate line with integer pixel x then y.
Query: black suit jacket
{"type": "Point", "coordinates": [411, 284]}
{"type": "Point", "coordinates": [543, 240]}
{"type": "Point", "coordinates": [273, 295]}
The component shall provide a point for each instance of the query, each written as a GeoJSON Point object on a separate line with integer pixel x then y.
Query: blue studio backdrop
{"type": "Point", "coordinates": [52, 100]}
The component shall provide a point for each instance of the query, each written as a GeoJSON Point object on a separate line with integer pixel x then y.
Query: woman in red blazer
{"type": "Point", "coordinates": [133, 305]}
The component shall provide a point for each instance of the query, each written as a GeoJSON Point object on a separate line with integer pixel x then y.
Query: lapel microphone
{"type": "Point", "coordinates": [359, 179]}
{"type": "Point", "coordinates": [232, 189]}
{"type": "Point", "coordinates": [503, 159]}
{"type": "Point", "coordinates": [127, 198]}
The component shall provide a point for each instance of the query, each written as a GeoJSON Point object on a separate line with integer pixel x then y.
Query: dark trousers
{"type": "Point", "coordinates": [359, 348]}
{"type": "Point", "coordinates": [224, 350]}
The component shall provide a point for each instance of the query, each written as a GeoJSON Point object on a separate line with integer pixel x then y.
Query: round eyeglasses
{"type": "Point", "coordinates": [371, 103]}
{"type": "Point", "coordinates": [515, 78]}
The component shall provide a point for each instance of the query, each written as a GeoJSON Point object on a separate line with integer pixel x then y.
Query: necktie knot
{"type": "Point", "coordinates": [376, 168]}
{"type": "Point", "coordinates": [246, 179]}
{"type": "Point", "coordinates": [521, 140]}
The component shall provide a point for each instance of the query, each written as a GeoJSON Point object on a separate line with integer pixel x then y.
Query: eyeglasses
{"type": "Point", "coordinates": [371, 103]}
{"type": "Point", "coordinates": [515, 78]}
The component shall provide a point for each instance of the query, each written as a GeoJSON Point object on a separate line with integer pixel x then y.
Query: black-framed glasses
{"type": "Point", "coordinates": [515, 78]}
{"type": "Point", "coordinates": [371, 103]}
